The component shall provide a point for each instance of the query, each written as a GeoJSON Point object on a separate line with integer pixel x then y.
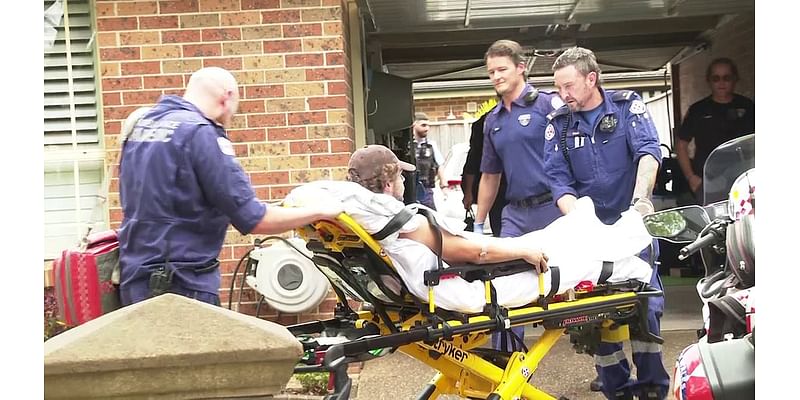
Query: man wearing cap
{"type": "Point", "coordinates": [378, 169]}
{"type": "Point", "coordinates": [429, 161]}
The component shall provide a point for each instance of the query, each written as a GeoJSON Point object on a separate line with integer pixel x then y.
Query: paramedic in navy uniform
{"type": "Point", "coordinates": [180, 188]}
{"type": "Point", "coordinates": [512, 147]}
{"type": "Point", "coordinates": [603, 144]}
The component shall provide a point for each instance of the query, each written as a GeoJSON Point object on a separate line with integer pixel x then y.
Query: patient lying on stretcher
{"type": "Point", "coordinates": [577, 243]}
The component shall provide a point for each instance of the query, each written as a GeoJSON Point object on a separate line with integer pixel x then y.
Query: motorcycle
{"type": "Point", "coordinates": [721, 364]}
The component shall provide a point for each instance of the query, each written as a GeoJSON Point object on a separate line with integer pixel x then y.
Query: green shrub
{"type": "Point", "coordinates": [314, 382]}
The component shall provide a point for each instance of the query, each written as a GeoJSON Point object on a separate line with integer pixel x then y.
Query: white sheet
{"type": "Point", "coordinates": [577, 243]}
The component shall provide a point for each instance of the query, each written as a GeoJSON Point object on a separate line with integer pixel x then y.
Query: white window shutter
{"type": "Point", "coordinates": [71, 79]}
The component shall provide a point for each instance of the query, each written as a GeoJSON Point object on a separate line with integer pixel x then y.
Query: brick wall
{"type": "Point", "coordinates": [291, 60]}
{"type": "Point", "coordinates": [735, 40]}
{"type": "Point", "coordinates": [438, 109]}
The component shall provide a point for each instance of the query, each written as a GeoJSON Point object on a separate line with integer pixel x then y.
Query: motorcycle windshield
{"type": "Point", "coordinates": [725, 164]}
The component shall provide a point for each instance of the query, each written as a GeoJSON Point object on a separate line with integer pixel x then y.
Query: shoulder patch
{"type": "Point", "coordinates": [549, 132]}
{"type": "Point", "coordinates": [563, 110]}
{"type": "Point", "coordinates": [638, 107]}
{"type": "Point", "coordinates": [226, 146]}
{"type": "Point", "coordinates": [622, 95]}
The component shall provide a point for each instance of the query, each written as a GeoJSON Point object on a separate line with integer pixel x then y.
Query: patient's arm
{"type": "Point", "coordinates": [457, 249]}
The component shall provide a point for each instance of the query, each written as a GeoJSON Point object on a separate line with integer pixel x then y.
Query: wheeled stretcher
{"type": "Point", "coordinates": [450, 342]}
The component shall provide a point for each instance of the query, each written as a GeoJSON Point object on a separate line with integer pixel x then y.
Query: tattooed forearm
{"type": "Point", "coordinates": [645, 177]}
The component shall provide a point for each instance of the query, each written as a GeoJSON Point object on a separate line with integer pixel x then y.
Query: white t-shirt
{"type": "Point", "coordinates": [577, 243]}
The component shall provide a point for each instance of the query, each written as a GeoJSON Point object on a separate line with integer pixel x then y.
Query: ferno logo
{"type": "Point", "coordinates": [448, 349]}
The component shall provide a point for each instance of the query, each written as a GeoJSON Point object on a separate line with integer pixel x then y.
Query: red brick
{"type": "Point", "coordinates": [113, 185]}
{"type": "Point", "coordinates": [111, 84]}
{"type": "Point", "coordinates": [293, 133]}
{"type": "Point", "coordinates": [260, 4]}
{"type": "Point", "coordinates": [301, 30]}
{"type": "Point", "coordinates": [221, 34]}
{"type": "Point", "coordinates": [231, 64]}
{"type": "Point", "coordinates": [219, 5]}
{"type": "Point", "coordinates": [240, 150]}
{"type": "Point", "coordinates": [240, 251]}
{"type": "Point", "coordinates": [337, 88]}
{"type": "Point", "coordinates": [115, 215]}
{"type": "Point", "coordinates": [181, 36]}
{"type": "Point", "coordinates": [227, 267]}
{"type": "Point", "coordinates": [334, 58]}
{"type": "Point", "coordinates": [174, 92]}
{"type": "Point", "coordinates": [179, 6]}
{"type": "Point", "coordinates": [265, 91]}
{"type": "Point", "coordinates": [164, 81]}
{"type": "Point", "coordinates": [282, 16]}
{"type": "Point", "coordinates": [327, 305]}
{"type": "Point", "coordinates": [121, 53]}
{"type": "Point", "coordinates": [269, 178]}
{"type": "Point", "coordinates": [341, 145]}
{"type": "Point", "coordinates": [327, 103]}
{"type": "Point", "coordinates": [330, 160]}
{"type": "Point", "coordinates": [308, 146]}
{"type": "Point", "coordinates": [306, 118]}
{"type": "Point", "coordinates": [137, 8]}
{"type": "Point", "coordinates": [165, 22]}
{"type": "Point", "coordinates": [141, 68]}
{"type": "Point", "coordinates": [304, 60]}
{"type": "Point", "coordinates": [141, 96]}
{"type": "Point", "coordinates": [266, 120]}
{"type": "Point", "coordinates": [283, 46]}
{"type": "Point", "coordinates": [112, 127]}
{"type": "Point", "coordinates": [247, 135]}
{"type": "Point", "coordinates": [121, 112]}
{"type": "Point", "coordinates": [262, 193]}
{"type": "Point", "coordinates": [116, 24]}
{"type": "Point", "coordinates": [325, 74]}
{"type": "Point", "coordinates": [112, 99]}
{"type": "Point", "coordinates": [202, 50]}
{"type": "Point", "coordinates": [279, 192]}
{"type": "Point", "coordinates": [251, 106]}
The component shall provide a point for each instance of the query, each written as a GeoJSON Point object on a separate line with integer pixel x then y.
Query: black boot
{"type": "Point", "coordinates": [596, 385]}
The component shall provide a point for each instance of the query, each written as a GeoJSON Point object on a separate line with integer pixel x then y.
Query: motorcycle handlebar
{"type": "Point", "coordinates": [712, 236]}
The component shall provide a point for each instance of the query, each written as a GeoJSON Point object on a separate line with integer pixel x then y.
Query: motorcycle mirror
{"type": "Point", "coordinates": [677, 225]}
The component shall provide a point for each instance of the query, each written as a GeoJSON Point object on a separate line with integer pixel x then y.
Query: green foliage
{"type": "Point", "coordinates": [665, 224]}
{"type": "Point", "coordinates": [314, 382]}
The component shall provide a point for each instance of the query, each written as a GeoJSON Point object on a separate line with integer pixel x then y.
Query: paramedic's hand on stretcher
{"type": "Point", "coordinates": [538, 259]}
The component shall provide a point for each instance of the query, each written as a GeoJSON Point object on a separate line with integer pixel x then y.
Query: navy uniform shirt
{"type": "Point", "coordinates": [711, 124]}
{"type": "Point", "coordinates": [603, 159]}
{"type": "Point", "coordinates": [180, 188]}
{"type": "Point", "coordinates": [513, 142]}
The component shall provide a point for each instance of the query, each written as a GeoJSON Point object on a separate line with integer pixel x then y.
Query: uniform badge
{"type": "Point", "coordinates": [225, 146]}
{"type": "Point", "coordinates": [549, 132]}
{"type": "Point", "coordinates": [740, 112]}
{"type": "Point", "coordinates": [608, 123]}
{"type": "Point", "coordinates": [638, 107]}
{"type": "Point", "coordinates": [524, 119]}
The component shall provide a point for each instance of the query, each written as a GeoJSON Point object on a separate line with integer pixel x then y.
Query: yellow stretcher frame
{"type": "Point", "coordinates": [451, 346]}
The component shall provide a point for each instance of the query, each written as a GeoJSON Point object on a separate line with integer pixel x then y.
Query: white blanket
{"type": "Point", "coordinates": [577, 243]}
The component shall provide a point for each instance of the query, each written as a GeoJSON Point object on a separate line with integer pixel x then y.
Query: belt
{"type": "Point", "coordinates": [533, 201]}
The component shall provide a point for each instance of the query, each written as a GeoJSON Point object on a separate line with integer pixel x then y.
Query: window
{"type": "Point", "coordinates": [74, 155]}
